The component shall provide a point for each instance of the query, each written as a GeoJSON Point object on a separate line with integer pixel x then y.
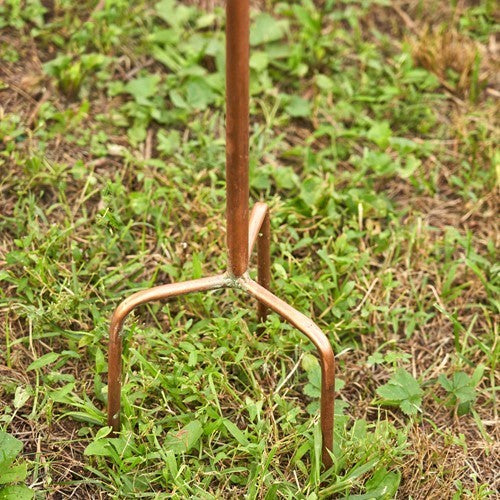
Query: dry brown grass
{"type": "Point", "coordinates": [441, 50]}
{"type": "Point", "coordinates": [440, 46]}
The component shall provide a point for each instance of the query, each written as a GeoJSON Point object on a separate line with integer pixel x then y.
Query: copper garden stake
{"type": "Point", "coordinates": [242, 234]}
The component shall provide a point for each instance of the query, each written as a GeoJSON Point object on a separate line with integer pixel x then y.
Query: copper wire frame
{"type": "Point", "coordinates": [244, 231]}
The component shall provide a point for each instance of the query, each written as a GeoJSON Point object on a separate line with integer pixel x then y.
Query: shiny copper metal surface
{"type": "Point", "coordinates": [260, 230]}
{"type": "Point", "coordinates": [237, 118]}
{"type": "Point", "coordinates": [259, 212]}
{"type": "Point", "coordinates": [267, 299]}
{"type": "Point", "coordinates": [122, 311]}
{"type": "Point", "coordinates": [241, 238]}
{"type": "Point", "coordinates": [325, 352]}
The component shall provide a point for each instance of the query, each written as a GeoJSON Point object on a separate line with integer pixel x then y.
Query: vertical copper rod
{"type": "Point", "coordinates": [237, 130]}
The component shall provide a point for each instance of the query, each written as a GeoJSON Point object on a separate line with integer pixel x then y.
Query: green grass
{"type": "Point", "coordinates": [376, 154]}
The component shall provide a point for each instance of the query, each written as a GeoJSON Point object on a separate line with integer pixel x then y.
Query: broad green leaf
{"type": "Point", "coordinates": [171, 463]}
{"type": "Point", "coordinates": [392, 392]}
{"type": "Point", "coordinates": [168, 142]}
{"type": "Point", "coordinates": [259, 60]}
{"type": "Point", "coordinates": [461, 387]}
{"type": "Point", "coordinates": [54, 66]}
{"type": "Point", "coordinates": [477, 375]}
{"type": "Point", "coordinates": [445, 383]}
{"type": "Point", "coordinates": [312, 391]}
{"type": "Point", "coordinates": [165, 36]}
{"type": "Point", "coordinates": [310, 191]}
{"type": "Point", "coordinates": [314, 375]}
{"type": "Point", "coordinates": [100, 448]}
{"type": "Point", "coordinates": [285, 177]}
{"type": "Point", "coordinates": [165, 9]}
{"type": "Point", "coordinates": [324, 82]}
{"type": "Point", "coordinates": [92, 61]}
{"type": "Point", "coordinates": [461, 379]}
{"type": "Point", "coordinates": [59, 395]}
{"type": "Point", "coordinates": [410, 407]}
{"type": "Point", "coordinates": [137, 133]}
{"type": "Point", "coordinates": [265, 29]}
{"type": "Point", "coordinates": [142, 88]}
{"type": "Point", "coordinates": [21, 396]}
{"type": "Point", "coordinates": [10, 447]}
{"type": "Point", "coordinates": [16, 493]}
{"type": "Point", "coordinates": [465, 394]}
{"type": "Point", "coordinates": [359, 470]}
{"type": "Point", "coordinates": [402, 390]}
{"type": "Point", "coordinates": [173, 13]}
{"type": "Point", "coordinates": [13, 474]}
{"type": "Point", "coordinates": [198, 93]}
{"type": "Point", "coordinates": [84, 417]}
{"type": "Point", "coordinates": [206, 20]}
{"type": "Point", "coordinates": [236, 433]}
{"type": "Point", "coordinates": [103, 432]}
{"type": "Point", "coordinates": [382, 486]}
{"type": "Point", "coordinates": [380, 133]}
{"type": "Point", "coordinates": [177, 100]}
{"type": "Point", "coordinates": [298, 107]}
{"type": "Point", "coordinates": [280, 270]}
{"type": "Point", "coordinates": [309, 362]}
{"type": "Point", "coordinates": [184, 439]}
{"type": "Point", "coordinates": [411, 165]}
{"type": "Point", "coordinates": [44, 360]}
{"type": "Point", "coordinates": [308, 19]}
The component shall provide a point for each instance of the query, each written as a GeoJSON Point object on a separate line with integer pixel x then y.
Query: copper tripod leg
{"type": "Point", "coordinates": [325, 351]}
{"type": "Point", "coordinates": [264, 263]}
{"type": "Point", "coordinates": [260, 230]}
{"type": "Point", "coordinates": [267, 299]}
{"type": "Point", "coordinates": [118, 318]}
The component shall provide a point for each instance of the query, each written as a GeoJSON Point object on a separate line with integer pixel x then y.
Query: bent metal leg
{"type": "Point", "coordinates": [243, 232]}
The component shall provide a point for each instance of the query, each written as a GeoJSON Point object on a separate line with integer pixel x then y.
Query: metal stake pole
{"type": "Point", "coordinates": [237, 117]}
{"type": "Point", "coordinates": [243, 232]}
